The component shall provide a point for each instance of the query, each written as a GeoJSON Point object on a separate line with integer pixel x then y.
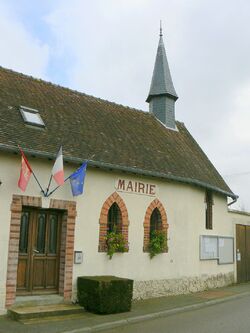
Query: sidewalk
{"type": "Point", "coordinates": [141, 310]}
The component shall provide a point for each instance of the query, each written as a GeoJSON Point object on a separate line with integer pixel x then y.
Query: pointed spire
{"type": "Point", "coordinates": [162, 94]}
{"type": "Point", "coordinates": [161, 81]}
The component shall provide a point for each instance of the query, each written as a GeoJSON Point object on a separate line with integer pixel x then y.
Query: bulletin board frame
{"type": "Point", "coordinates": [209, 249]}
{"type": "Point", "coordinates": [226, 250]}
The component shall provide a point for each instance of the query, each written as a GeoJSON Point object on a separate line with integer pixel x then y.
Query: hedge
{"type": "Point", "coordinates": [105, 294]}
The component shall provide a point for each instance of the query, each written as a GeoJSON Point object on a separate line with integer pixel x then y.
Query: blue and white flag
{"type": "Point", "coordinates": [77, 180]}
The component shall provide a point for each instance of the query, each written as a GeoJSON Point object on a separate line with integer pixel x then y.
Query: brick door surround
{"type": "Point", "coordinates": [66, 250]}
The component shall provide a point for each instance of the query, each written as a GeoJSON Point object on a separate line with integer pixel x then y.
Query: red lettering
{"type": "Point", "coordinates": [121, 185]}
{"type": "Point", "coordinates": [152, 190]}
{"type": "Point", "coordinates": [138, 187]}
{"type": "Point", "coordinates": [130, 186]}
{"type": "Point", "coordinates": [141, 187]}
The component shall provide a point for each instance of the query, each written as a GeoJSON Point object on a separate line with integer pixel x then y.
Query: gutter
{"type": "Point", "coordinates": [109, 166]}
{"type": "Point", "coordinates": [232, 202]}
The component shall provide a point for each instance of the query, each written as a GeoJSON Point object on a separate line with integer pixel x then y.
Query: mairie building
{"type": "Point", "coordinates": [145, 174]}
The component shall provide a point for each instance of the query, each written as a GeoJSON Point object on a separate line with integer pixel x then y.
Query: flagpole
{"type": "Point", "coordinates": [47, 195]}
{"type": "Point", "coordinates": [38, 182]}
{"type": "Point", "coordinates": [57, 171]}
{"type": "Point", "coordinates": [51, 192]}
{"type": "Point", "coordinates": [31, 170]}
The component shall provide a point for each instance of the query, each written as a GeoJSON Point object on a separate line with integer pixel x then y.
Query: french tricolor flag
{"type": "Point", "coordinates": [57, 171]}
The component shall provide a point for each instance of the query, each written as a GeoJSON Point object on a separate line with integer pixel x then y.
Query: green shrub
{"type": "Point", "coordinates": [105, 294]}
{"type": "Point", "coordinates": [157, 243]}
{"type": "Point", "coordinates": [115, 243]}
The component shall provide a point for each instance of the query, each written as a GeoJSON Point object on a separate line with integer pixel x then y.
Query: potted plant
{"type": "Point", "coordinates": [115, 243]}
{"type": "Point", "coordinates": [157, 243]}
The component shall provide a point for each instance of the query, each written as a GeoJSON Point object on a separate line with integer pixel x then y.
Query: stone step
{"type": "Point", "coordinates": [38, 300]}
{"type": "Point", "coordinates": [23, 313]}
{"type": "Point", "coordinates": [43, 320]}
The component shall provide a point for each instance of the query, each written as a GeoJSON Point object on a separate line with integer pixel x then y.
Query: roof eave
{"type": "Point", "coordinates": [109, 166]}
{"type": "Point", "coordinates": [142, 172]}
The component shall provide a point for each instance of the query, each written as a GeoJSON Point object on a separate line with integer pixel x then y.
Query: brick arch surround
{"type": "Point", "coordinates": [115, 197]}
{"type": "Point", "coordinates": [66, 250]}
{"type": "Point", "coordinates": [154, 204]}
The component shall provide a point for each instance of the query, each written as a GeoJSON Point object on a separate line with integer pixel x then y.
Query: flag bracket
{"type": "Point", "coordinates": [76, 178]}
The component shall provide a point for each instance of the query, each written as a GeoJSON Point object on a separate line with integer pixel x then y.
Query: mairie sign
{"type": "Point", "coordinates": [131, 186]}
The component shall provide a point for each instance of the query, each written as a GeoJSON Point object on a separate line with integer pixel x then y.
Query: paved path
{"type": "Point", "coordinates": [228, 317]}
{"type": "Point", "coordinates": [143, 311]}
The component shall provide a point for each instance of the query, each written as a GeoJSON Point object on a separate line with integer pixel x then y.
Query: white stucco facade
{"type": "Point", "coordinates": [177, 271]}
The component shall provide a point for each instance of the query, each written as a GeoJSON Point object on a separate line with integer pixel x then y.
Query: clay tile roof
{"type": "Point", "coordinates": [120, 138]}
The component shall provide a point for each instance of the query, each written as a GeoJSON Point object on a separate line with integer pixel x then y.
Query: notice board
{"type": "Point", "coordinates": [217, 247]}
{"type": "Point", "coordinates": [209, 247]}
{"type": "Point", "coordinates": [226, 250]}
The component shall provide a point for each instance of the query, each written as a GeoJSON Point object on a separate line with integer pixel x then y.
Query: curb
{"type": "Point", "coordinates": [154, 315]}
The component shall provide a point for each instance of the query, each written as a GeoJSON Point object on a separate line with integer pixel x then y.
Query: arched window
{"type": "Point", "coordinates": [155, 221]}
{"type": "Point", "coordinates": [114, 219]}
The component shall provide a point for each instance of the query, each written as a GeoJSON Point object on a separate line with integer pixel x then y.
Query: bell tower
{"type": "Point", "coordinates": [162, 95]}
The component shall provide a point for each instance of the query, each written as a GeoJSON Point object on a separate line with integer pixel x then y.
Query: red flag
{"type": "Point", "coordinates": [25, 172]}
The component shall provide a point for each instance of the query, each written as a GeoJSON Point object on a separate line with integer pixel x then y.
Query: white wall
{"type": "Point", "coordinates": [185, 209]}
{"type": "Point", "coordinates": [184, 205]}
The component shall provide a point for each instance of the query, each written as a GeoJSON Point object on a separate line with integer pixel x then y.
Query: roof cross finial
{"type": "Point", "coordinates": [160, 29]}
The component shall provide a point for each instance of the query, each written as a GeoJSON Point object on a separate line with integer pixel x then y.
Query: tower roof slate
{"type": "Point", "coordinates": [161, 83]}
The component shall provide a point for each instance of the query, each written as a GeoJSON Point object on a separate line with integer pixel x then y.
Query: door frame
{"type": "Point", "coordinates": [30, 257]}
{"type": "Point", "coordinates": [242, 253]}
{"type": "Point", "coordinates": [68, 209]}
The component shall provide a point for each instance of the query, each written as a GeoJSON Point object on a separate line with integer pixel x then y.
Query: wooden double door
{"type": "Point", "coordinates": [243, 252]}
{"type": "Point", "coordinates": [39, 252]}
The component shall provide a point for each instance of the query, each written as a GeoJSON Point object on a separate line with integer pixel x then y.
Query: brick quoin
{"type": "Point", "coordinates": [164, 227]}
{"type": "Point", "coordinates": [66, 250]}
{"type": "Point", "coordinates": [114, 197]}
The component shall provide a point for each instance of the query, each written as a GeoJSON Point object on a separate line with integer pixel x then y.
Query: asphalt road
{"type": "Point", "coordinates": [229, 317]}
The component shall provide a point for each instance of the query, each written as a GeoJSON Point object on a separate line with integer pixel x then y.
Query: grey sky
{"type": "Point", "coordinates": [107, 49]}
